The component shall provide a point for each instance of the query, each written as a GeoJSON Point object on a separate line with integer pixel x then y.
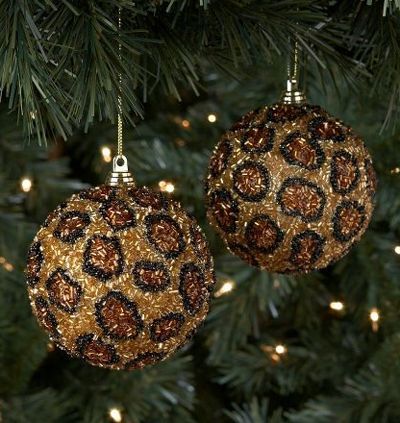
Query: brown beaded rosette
{"type": "Point", "coordinates": [120, 276]}
{"type": "Point", "coordinates": [290, 188]}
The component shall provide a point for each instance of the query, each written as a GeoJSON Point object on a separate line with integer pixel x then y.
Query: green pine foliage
{"type": "Point", "coordinates": [60, 63]}
{"type": "Point", "coordinates": [59, 76]}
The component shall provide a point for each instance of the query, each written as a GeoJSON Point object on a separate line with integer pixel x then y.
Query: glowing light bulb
{"type": "Point", "coordinates": [115, 415]}
{"type": "Point", "coordinates": [280, 349]}
{"type": "Point", "coordinates": [26, 184]}
{"type": "Point", "coordinates": [395, 170]}
{"type": "Point", "coordinates": [185, 123]}
{"type": "Point", "coordinates": [397, 249]}
{"type": "Point", "coordinates": [336, 305]}
{"type": "Point", "coordinates": [374, 315]}
{"type": "Point", "coordinates": [106, 153]}
{"type": "Point", "coordinates": [212, 118]}
{"type": "Point", "coordinates": [8, 266]}
{"type": "Point", "coordinates": [225, 289]}
{"type": "Point", "coordinates": [166, 186]}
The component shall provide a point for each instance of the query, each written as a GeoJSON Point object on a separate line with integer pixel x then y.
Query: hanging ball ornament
{"type": "Point", "coordinates": [290, 188]}
{"type": "Point", "coordinates": [120, 276]}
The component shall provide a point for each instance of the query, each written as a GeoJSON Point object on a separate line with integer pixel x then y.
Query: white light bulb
{"type": "Point", "coordinates": [280, 349]}
{"type": "Point", "coordinates": [185, 123]}
{"type": "Point", "coordinates": [374, 315]}
{"type": "Point", "coordinates": [212, 118]}
{"type": "Point", "coordinates": [115, 415]}
{"type": "Point", "coordinates": [106, 153]}
{"type": "Point", "coordinates": [26, 184]}
{"type": "Point", "coordinates": [225, 288]}
{"type": "Point", "coordinates": [336, 305]}
{"type": "Point", "coordinates": [166, 186]}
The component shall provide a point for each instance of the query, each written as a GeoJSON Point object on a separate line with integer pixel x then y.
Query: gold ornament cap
{"type": "Point", "coordinates": [292, 95]}
{"type": "Point", "coordinates": [120, 174]}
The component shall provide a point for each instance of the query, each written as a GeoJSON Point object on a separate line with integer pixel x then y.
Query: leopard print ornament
{"type": "Point", "coordinates": [290, 188]}
{"type": "Point", "coordinates": [120, 276]}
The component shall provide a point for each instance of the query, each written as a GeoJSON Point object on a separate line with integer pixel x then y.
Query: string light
{"type": "Point", "coordinates": [395, 170]}
{"type": "Point", "coordinates": [6, 264]}
{"type": "Point", "coordinates": [374, 316]}
{"type": "Point", "coordinates": [106, 153]}
{"type": "Point", "coordinates": [336, 305]}
{"type": "Point", "coordinates": [280, 349]}
{"type": "Point", "coordinates": [397, 249]}
{"type": "Point", "coordinates": [26, 184]}
{"type": "Point", "coordinates": [226, 287]}
{"type": "Point", "coordinates": [115, 415]}
{"type": "Point", "coordinates": [212, 118]}
{"type": "Point", "coordinates": [166, 186]}
{"type": "Point", "coordinates": [276, 352]}
{"type": "Point", "coordinates": [185, 123]}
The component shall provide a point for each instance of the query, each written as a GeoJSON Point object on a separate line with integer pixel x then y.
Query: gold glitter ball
{"type": "Point", "coordinates": [120, 276]}
{"type": "Point", "coordinates": [290, 188]}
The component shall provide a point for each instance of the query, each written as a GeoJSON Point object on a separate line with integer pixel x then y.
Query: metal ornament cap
{"type": "Point", "coordinates": [120, 174]}
{"type": "Point", "coordinates": [293, 95]}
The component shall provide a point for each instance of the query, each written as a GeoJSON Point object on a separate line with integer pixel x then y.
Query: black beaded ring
{"type": "Point", "coordinates": [252, 243]}
{"type": "Point", "coordinates": [75, 234]}
{"type": "Point", "coordinates": [301, 181]}
{"type": "Point", "coordinates": [284, 149]}
{"type": "Point", "coordinates": [200, 299]}
{"type": "Point", "coordinates": [154, 219]}
{"type": "Point", "coordinates": [257, 197]}
{"type": "Point", "coordinates": [96, 271]}
{"type": "Point", "coordinates": [296, 246]}
{"type": "Point", "coordinates": [335, 172]}
{"type": "Point", "coordinates": [130, 223]}
{"type": "Point", "coordinates": [69, 281]}
{"type": "Point", "coordinates": [157, 323]}
{"type": "Point", "coordinates": [34, 253]}
{"type": "Point", "coordinates": [225, 196]}
{"type": "Point", "coordinates": [151, 266]}
{"type": "Point", "coordinates": [84, 340]}
{"type": "Point", "coordinates": [337, 224]}
{"type": "Point", "coordinates": [130, 305]}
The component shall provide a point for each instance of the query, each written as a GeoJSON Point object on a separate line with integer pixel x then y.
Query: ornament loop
{"type": "Point", "coordinates": [293, 95]}
{"type": "Point", "coordinates": [120, 174]}
{"type": "Point", "coordinates": [120, 164]}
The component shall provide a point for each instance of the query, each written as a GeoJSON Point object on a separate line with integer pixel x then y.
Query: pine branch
{"type": "Point", "coordinates": [60, 65]}
{"type": "Point", "coordinates": [254, 412]}
{"type": "Point", "coordinates": [43, 406]}
{"type": "Point", "coordinates": [370, 395]}
{"type": "Point", "coordinates": [257, 296]}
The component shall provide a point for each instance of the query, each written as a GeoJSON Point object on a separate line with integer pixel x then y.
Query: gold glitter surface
{"type": "Point", "coordinates": [133, 284]}
{"type": "Point", "coordinates": [318, 189]}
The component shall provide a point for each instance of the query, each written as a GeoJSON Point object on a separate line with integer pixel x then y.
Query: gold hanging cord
{"type": "Point", "coordinates": [293, 63]}
{"type": "Point", "coordinates": [120, 174]}
{"type": "Point", "coordinates": [119, 105]}
{"type": "Point", "coordinates": [293, 95]}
